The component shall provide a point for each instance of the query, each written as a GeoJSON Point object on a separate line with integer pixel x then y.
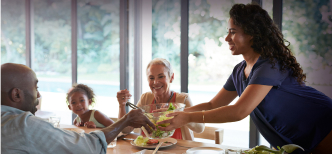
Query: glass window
{"type": "Point", "coordinates": [307, 26]}
{"type": "Point", "coordinates": [98, 51]}
{"type": "Point", "coordinates": [166, 21]}
{"type": "Point", "coordinates": [210, 61]}
{"type": "Point", "coordinates": [52, 54]}
{"type": "Point", "coordinates": [13, 31]}
{"type": "Point", "coordinates": [268, 6]}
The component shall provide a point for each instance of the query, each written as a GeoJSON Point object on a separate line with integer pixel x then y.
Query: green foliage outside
{"type": "Point", "coordinates": [12, 31]}
{"type": "Point", "coordinates": [307, 25]}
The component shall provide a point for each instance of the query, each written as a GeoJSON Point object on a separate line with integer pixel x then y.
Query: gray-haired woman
{"type": "Point", "coordinates": [160, 75]}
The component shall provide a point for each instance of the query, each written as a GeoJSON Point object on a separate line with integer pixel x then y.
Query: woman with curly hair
{"type": "Point", "coordinates": [79, 98]}
{"type": "Point", "coordinates": [270, 85]}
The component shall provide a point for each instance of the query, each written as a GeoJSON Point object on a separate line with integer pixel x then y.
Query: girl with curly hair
{"type": "Point", "coordinates": [270, 85]}
{"type": "Point", "coordinates": [79, 98]}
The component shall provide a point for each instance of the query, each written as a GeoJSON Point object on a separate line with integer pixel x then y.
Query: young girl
{"type": "Point", "coordinates": [79, 98]}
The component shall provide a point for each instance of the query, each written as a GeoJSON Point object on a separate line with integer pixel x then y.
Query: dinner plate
{"type": "Point", "coordinates": [151, 151]}
{"type": "Point", "coordinates": [204, 150]}
{"type": "Point", "coordinates": [164, 145]}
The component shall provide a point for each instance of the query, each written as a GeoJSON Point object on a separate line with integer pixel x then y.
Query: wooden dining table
{"type": "Point", "coordinates": [124, 146]}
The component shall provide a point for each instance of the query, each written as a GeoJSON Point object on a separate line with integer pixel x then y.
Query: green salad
{"type": "Point", "coordinates": [159, 133]}
{"type": "Point", "coordinates": [141, 141]}
{"type": "Point", "coordinates": [262, 149]}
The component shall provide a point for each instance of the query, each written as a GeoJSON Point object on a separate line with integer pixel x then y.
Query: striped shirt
{"type": "Point", "coordinates": [22, 132]}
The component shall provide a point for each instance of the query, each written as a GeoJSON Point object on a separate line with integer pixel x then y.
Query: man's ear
{"type": "Point", "coordinates": [90, 101]}
{"type": "Point", "coordinates": [69, 107]}
{"type": "Point", "coordinates": [16, 95]}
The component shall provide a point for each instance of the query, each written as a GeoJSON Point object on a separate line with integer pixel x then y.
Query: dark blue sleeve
{"type": "Point", "coordinates": [229, 85]}
{"type": "Point", "coordinates": [264, 74]}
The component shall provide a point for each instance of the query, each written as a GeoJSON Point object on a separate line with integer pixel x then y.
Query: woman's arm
{"type": "Point", "coordinates": [249, 100]}
{"type": "Point", "coordinates": [123, 96]}
{"type": "Point", "coordinates": [223, 98]}
{"type": "Point", "coordinates": [103, 119]}
{"type": "Point", "coordinates": [196, 127]}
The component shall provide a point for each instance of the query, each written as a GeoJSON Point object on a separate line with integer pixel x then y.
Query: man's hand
{"type": "Point", "coordinates": [137, 119]}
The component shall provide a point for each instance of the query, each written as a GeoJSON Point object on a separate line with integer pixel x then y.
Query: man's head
{"type": "Point", "coordinates": [19, 87]}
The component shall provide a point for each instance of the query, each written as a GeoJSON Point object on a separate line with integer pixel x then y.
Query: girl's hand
{"type": "Point", "coordinates": [180, 119]}
{"type": "Point", "coordinates": [79, 124]}
{"type": "Point", "coordinates": [123, 96]}
{"type": "Point", "coordinates": [90, 124]}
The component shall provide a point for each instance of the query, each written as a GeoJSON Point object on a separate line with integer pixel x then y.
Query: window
{"type": "Point", "coordinates": [208, 51]}
{"type": "Point", "coordinates": [13, 31]}
{"type": "Point", "coordinates": [166, 20]}
{"type": "Point", "coordinates": [307, 26]}
{"type": "Point", "coordinates": [98, 51]}
{"type": "Point", "coordinates": [52, 54]}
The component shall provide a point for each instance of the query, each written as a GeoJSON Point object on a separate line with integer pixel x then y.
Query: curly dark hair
{"type": "Point", "coordinates": [268, 40]}
{"type": "Point", "coordinates": [84, 89]}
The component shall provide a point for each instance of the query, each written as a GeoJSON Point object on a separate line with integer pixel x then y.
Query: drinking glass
{"type": "Point", "coordinates": [55, 120]}
{"type": "Point", "coordinates": [112, 144]}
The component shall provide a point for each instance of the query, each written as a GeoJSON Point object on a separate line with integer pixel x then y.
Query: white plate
{"type": "Point", "coordinates": [204, 150]}
{"type": "Point", "coordinates": [151, 151]}
{"type": "Point", "coordinates": [172, 140]}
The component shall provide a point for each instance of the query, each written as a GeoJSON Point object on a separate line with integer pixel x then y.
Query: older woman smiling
{"type": "Point", "coordinates": [160, 76]}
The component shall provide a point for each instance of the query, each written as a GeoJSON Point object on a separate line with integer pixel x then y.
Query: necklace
{"type": "Point", "coordinates": [168, 99]}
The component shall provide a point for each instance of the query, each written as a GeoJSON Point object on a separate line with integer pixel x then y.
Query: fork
{"type": "Point", "coordinates": [134, 106]}
{"type": "Point", "coordinates": [155, 151]}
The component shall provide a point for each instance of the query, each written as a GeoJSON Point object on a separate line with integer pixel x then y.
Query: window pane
{"type": "Point", "coordinates": [268, 6]}
{"type": "Point", "coordinates": [210, 61]}
{"type": "Point", "coordinates": [52, 54]}
{"type": "Point", "coordinates": [307, 26]}
{"type": "Point", "coordinates": [98, 51]}
{"type": "Point", "coordinates": [166, 21]}
{"type": "Point", "coordinates": [13, 31]}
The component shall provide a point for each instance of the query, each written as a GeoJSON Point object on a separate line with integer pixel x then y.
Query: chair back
{"type": "Point", "coordinates": [211, 133]}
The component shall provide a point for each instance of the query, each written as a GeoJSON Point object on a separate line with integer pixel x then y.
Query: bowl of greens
{"type": "Point", "coordinates": [157, 113]}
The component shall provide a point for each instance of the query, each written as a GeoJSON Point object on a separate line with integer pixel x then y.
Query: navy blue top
{"type": "Point", "coordinates": [289, 113]}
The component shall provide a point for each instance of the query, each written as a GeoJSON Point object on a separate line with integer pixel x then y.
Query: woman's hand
{"type": "Point", "coordinates": [90, 124]}
{"type": "Point", "coordinates": [123, 96]}
{"type": "Point", "coordinates": [160, 110]}
{"type": "Point", "coordinates": [180, 119]}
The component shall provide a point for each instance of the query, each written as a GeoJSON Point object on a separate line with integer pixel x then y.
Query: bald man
{"type": "Point", "coordinates": [19, 87]}
{"type": "Point", "coordinates": [22, 132]}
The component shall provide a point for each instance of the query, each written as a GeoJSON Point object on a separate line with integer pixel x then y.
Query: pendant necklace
{"type": "Point", "coordinates": [168, 99]}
